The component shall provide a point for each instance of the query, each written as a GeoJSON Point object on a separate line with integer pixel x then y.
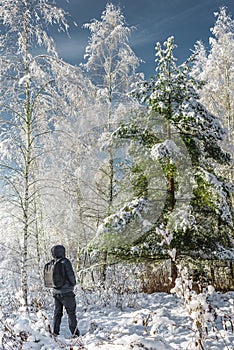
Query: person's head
{"type": "Point", "coordinates": [58, 251]}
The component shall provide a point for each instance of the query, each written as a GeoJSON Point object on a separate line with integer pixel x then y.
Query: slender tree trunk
{"type": "Point", "coordinates": [26, 212]}
{"type": "Point", "coordinates": [27, 157]}
{"type": "Point", "coordinates": [171, 178]}
{"type": "Point", "coordinates": [111, 184]}
{"type": "Point", "coordinates": [39, 232]}
{"type": "Point", "coordinates": [229, 119]}
{"type": "Point", "coordinates": [111, 176]}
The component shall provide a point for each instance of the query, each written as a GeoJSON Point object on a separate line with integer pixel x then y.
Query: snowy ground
{"type": "Point", "coordinates": [156, 322]}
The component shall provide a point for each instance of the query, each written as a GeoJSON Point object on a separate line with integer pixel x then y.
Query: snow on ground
{"type": "Point", "coordinates": [156, 322]}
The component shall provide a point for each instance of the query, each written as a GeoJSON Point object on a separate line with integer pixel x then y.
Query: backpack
{"type": "Point", "coordinates": [54, 274]}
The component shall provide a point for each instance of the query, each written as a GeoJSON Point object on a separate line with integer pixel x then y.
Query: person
{"type": "Point", "coordinates": [64, 296]}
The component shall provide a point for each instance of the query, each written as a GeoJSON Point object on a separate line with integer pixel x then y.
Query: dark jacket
{"type": "Point", "coordinates": [58, 252]}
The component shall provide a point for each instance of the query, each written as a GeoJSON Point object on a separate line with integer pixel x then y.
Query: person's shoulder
{"type": "Point", "coordinates": [65, 261]}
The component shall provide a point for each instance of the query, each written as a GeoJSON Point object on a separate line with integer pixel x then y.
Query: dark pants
{"type": "Point", "coordinates": [68, 301]}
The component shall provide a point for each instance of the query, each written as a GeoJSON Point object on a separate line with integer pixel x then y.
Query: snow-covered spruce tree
{"type": "Point", "coordinates": [187, 146]}
{"type": "Point", "coordinates": [111, 65]}
{"type": "Point", "coordinates": [27, 108]}
{"type": "Point", "coordinates": [209, 219]}
{"type": "Point", "coordinates": [216, 69]}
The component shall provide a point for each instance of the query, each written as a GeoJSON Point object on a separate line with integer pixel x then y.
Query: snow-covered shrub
{"type": "Point", "coordinates": [32, 330]}
{"type": "Point", "coordinates": [120, 288]}
{"type": "Point", "coordinates": [197, 305]}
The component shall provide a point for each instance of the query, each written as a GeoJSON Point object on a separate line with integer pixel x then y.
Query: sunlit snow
{"type": "Point", "coordinates": [142, 322]}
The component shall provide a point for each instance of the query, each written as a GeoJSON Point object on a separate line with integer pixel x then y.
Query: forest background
{"type": "Point", "coordinates": [107, 163]}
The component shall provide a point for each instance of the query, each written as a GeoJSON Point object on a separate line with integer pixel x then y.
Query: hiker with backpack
{"type": "Point", "coordinates": [59, 275]}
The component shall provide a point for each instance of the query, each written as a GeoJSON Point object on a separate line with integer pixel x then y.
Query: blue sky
{"type": "Point", "coordinates": [155, 20]}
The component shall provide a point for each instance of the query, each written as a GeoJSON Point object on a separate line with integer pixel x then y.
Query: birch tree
{"type": "Point", "coordinates": [70, 163]}
{"type": "Point", "coordinates": [27, 109]}
{"type": "Point", "coordinates": [215, 67]}
{"type": "Point", "coordinates": [111, 66]}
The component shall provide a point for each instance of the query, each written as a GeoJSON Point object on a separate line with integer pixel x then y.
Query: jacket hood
{"type": "Point", "coordinates": [58, 251]}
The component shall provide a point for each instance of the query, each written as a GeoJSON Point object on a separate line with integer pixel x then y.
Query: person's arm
{"type": "Point", "coordinates": [70, 272]}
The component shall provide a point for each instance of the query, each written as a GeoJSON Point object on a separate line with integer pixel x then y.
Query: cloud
{"type": "Point", "coordinates": [71, 49]}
